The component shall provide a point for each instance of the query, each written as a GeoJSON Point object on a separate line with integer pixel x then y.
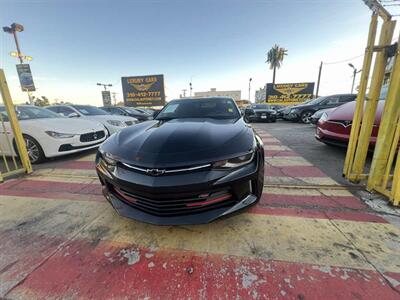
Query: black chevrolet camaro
{"type": "Point", "coordinates": [195, 162]}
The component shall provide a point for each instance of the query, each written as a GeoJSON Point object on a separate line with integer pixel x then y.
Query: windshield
{"type": "Point", "coordinates": [88, 110]}
{"type": "Point", "coordinates": [261, 106]}
{"type": "Point", "coordinates": [200, 108]}
{"type": "Point", "coordinates": [29, 112]}
{"type": "Point", "coordinates": [132, 110]}
{"type": "Point", "coordinates": [314, 101]}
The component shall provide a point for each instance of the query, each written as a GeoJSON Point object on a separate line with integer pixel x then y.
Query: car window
{"type": "Point", "coordinates": [29, 113]}
{"type": "Point", "coordinates": [65, 111]}
{"type": "Point", "coordinates": [200, 108]}
{"type": "Point", "coordinates": [116, 111]}
{"type": "Point", "coordinates": [346, 98]}
{"type": "Point", "coordinates": [88, 110]}
{"type": "Point", "coordinates": [331, 100]}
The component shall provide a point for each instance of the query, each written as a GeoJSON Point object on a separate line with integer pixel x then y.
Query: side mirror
{"type": "Point", "coordinates": [73, 115]}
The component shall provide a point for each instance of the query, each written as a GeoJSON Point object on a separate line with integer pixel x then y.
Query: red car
{"type": "Point", "coordinates": [334, 127]}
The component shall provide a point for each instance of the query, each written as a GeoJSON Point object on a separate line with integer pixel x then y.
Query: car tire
{"type": "Point", "coordinates": [35, 151]}
{"type": "Point", "coordinates": [305, 116]}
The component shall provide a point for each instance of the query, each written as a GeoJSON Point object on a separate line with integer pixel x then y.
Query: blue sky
{"type": "Point", "coordinates": [218, 43]}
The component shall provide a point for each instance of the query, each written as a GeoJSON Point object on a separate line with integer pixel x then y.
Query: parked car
{"type": "Point", "coordinates": [283, 112]}
{"type": "Point", "coordinates": [195, 162]}
{"type": "Point", "coordinates": [47, 134]}
{"type": "Point", "coordinates": [128, 111]}
{"type": "Point", "coordinates": [112, 123]}
{"type": "Point", "coordinates": [303, 112]}
{"type": "Point", "coordinates": [260, 113]}
{"type": "Point", "coordinates": [334, 127]}
{"type": "Point", "coordinates": [318, 114]}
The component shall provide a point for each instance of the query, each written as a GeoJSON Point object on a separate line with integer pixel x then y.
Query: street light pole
{"type": "Point", "coordinates": [13, 29]}
{"type": "Point", "coordinates": [250, 79]}
{"type": "Point", "coordinates": [105, 85]}
{"type": "Point", "coordinates": [319, 80]}
{"type": "Point", "coordinates": [355, 71]}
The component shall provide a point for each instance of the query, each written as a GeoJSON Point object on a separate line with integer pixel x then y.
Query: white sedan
{"type": "Point", "coordinates": [47, 134]}
{"type": "Point", "coordinates": [113, 123]}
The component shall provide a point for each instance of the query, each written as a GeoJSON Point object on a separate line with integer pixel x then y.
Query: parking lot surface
{"type": "Point", "coordinates": [309, 237]}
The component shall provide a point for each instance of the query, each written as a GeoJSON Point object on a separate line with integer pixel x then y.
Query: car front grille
{"type": "Point", "coordinates": [175, 205]}
{"type": "Point", "coordinates": [92, 136]}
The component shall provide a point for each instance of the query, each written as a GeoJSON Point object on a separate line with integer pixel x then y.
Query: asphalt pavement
{"type": "Point", "coordinates": [300, 138]}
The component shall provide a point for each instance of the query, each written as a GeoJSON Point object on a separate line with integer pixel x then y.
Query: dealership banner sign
{"type": "Point", "coordinates": [106, 95]}
{"type": "Point", "coordinates": [25, 78]}
{"type": "Point", "coordinates": [143, 90]}
{"type": "Point", "coordinates": [289, 93]}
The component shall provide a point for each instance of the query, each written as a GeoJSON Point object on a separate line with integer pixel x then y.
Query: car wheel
{"type": "Point", "coordinates": [306, 116]}
{"type": "Point", "coordinates": [35, 151]}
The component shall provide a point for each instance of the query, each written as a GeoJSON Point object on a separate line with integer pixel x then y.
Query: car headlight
{"type": "Point", "coordinates": [293, 110]}
{"type": "Point", "coordinates": [59, 135]}
{"type": "Point", "coordinates": [273, 112]}
{"type": "Point", "coordinates": [116, 123]}
{"type": "Point", "coordinates": [108, 158]}
{"type": "Point", "coordinates": [234, 162]}
{"type": "Point", "coordinates": [323, 118]}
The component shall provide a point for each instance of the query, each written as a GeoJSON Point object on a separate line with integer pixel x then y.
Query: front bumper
{"type": "Point", "coordinates": [53, 147]}
{"type": "Point", "coordinates": [292, 117]}
{"type": "Point", "coordinates": [330, 137]}
{"type": "Point", "coordinates": [263, 118]}
{"type": "Point", "coordinates": [184, 198]}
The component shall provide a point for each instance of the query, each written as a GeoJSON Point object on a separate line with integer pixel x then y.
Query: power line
{"type": "Point", "coordinates": [344, 60]}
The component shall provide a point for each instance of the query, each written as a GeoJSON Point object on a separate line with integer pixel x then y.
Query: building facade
{"type": "Point", "coordinates": [261, 95]}
{"type": "Point", "coordinates": [235, 95]}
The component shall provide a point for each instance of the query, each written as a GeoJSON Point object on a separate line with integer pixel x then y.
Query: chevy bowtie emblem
{"type": "Point", "coordinates": [155, 172]}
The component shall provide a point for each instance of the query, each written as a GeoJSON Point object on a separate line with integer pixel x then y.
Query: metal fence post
{"type": "Point", "coordinates": [355, 128]}
{"type": "Point", "coordinates": [371, 104]}
{"type": "Point", "coordinates": [19, 140]}
{"type": "Point", "coordinates": [387, 127]}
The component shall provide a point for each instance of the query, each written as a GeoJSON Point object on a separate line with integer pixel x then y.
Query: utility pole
{"type": "Point", "coordinates": [355, 71]}
{"type": "Point", "coordinates": [319, 80]}
{"type": "Point", "coordinates": [13, 29]}
{"type": "Point", "coordinates": [250, 79]}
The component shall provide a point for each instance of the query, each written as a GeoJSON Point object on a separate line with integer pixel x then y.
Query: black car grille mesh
{"type": "Point", "coordinates": [169, 205]}
{"type": "Point", "coordinates": [92, 136]}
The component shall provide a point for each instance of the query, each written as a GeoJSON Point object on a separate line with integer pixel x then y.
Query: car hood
{"type": "Point", "coordinates": [345, 112]}
{"type": "Point", "coordinates": [64, 125]}
{"type": "Point", "coordinates": [320, 112]}
{"type": "Point", "coordinates": [180, 142]}
{"type": "Point", "coordinates": [105, 118]}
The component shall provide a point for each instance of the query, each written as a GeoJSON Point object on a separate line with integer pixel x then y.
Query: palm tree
{"type": "Point", "coordinates": [275, 57]}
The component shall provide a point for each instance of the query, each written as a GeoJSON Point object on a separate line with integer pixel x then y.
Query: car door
{"type": "Point", "coordinates": [6, 135]}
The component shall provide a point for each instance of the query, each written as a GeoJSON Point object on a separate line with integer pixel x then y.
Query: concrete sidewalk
{"type": "Point", "coordinates": [307, 238]}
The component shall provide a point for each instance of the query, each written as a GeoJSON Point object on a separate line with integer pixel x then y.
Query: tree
{"type": "Point", "coordinates": [275, 57]}
{"type": "Point", "coordinates": [42, 101]}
